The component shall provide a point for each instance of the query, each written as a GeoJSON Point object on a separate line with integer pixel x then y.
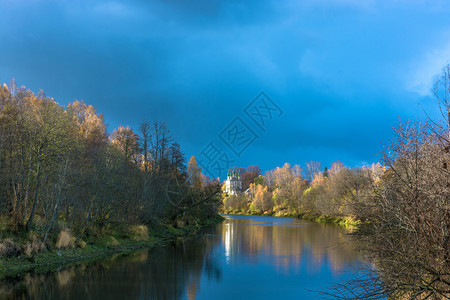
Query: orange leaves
{"type": "Point", "coordinates": [91, 126]}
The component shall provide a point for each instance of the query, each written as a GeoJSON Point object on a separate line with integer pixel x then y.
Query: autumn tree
{"type": "Point", "coordinates": [287, 186]}
{"type": "Point", "coordinates": [193, 170]}
{"type": "Point", "coordinates": [312, 168]}
{"type": "Point", "coordinates": [127, 142]}
{"type": "Point", "coordinates": [90, 125]}
{"type": "Point", "coordinates": [261, 199]}
{"type": "Point", "coordinates": [249, 175]}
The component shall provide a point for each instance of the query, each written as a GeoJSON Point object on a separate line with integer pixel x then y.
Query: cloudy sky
{"type": "Point", "coordinates": [342, 71]}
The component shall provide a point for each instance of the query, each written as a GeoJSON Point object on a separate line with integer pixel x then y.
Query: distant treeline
{"type": "Point", "coordinates": [294, 191]}
{"type": "Point", "coordinates": [403, 203]}
{"type": "Point", "coordinates": [59, 168]}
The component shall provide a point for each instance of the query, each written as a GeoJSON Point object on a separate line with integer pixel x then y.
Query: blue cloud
{"type": "Point", "coordinates": [343, 71]}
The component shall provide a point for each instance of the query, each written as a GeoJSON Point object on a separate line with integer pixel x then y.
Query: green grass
{"type": "Point", "coordinates": [344, 221]}
{"type": "Point", "coordinates": [54, 259]}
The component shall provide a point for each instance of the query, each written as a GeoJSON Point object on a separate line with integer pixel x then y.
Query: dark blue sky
{"type": "Point", "coordinates": [342, 71]}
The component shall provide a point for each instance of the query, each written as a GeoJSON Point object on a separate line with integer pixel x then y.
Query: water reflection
{"type": "Point", "coordinates": [287, 243]}
{"type": "Point", "coordinates": [169, 272]}
{"type": "Point", "coordinates": [244, 257]}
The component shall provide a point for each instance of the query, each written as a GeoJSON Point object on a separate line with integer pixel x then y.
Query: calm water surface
{"type": "Point", "coordinates": [242, 258]}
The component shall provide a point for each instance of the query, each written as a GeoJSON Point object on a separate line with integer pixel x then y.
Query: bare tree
{"type": "Point", "coordinates": [312, 167]}
{"type": "Point", "coordinates": [160, 143]}
{"type": "Point", "coordinates": [441, 91]}
{"type": "Point", "coordinates": [409, 212]}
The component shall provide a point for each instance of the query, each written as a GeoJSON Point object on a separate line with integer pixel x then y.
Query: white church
{"type": "Point", "coordinates": [233, 184]}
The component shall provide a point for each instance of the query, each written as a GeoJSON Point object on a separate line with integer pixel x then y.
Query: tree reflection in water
{"type": "Point", "coordinates": [165, 272]}
{"type": "Point", "coordinates": [256, 257]}
{"type": "Point", "coordinates": [287, 243]}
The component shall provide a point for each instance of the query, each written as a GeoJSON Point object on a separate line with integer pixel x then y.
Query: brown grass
{"type": "Point", "coordinates": [139, 232]}
{"type": "Point", "coordinates": [34, 246]}
{"type": "Point", "coordinates": [65, 239]}
{"type": "Point", "coordinates": [81, 244]}
{"type": "Point", "coordinates": [8, 248]}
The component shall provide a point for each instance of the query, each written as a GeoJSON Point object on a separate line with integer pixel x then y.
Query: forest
{"type": "Point", "coordinates": [400, 206]}
{"type": "Point", "coordinates": [65, 181]}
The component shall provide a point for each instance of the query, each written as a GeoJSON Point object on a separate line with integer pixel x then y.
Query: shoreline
{"type": "Point", "coordinates": [55, 259]}
{"type": "Point", "coordinates": [341, 221]}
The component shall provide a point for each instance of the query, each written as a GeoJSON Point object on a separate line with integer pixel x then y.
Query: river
{"type": "Point", "coordinates": [245, 257]}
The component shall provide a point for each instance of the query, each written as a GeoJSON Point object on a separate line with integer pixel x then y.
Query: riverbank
{"type": "Point", "coordinates": [345, 221]}
{"type": "Point", "coordinates": [110, 243]}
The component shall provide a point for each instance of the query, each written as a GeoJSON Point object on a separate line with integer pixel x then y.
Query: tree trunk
{"type": "Point", "coordinates": [36, 194]}
{"type": "Point", "coordinates": [27, 190]}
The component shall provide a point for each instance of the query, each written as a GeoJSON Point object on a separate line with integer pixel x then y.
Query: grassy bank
{"type": "Point", "coordinates": [109, 242]}
{"type": "Point", "coordinates": [342, 221]}
{"type": "Point", "coordinates": [345, 221]}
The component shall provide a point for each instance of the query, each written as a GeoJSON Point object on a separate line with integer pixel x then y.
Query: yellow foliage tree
{"type": "Point", "coordinates": [262, 198]}
{"type": "Point", "coordinates": [194, 173]}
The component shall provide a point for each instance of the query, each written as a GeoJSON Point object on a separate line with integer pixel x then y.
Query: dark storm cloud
{"type": "Point", "coordinates": [342, 70]}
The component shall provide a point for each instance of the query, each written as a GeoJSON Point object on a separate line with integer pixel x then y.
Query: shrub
{"type": "Point", "coordinates": [112, 242]}
{"type": "Point", "coordinates": [81, 244]}
{"type": "Point", "coordinates": [8, 248]}
{"type": "Point", "coordinates": [139, 232]}
{"type": "Point", "coordinates": [65, 239]}
{"type": "Point", "coordinates": [34, 246]}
